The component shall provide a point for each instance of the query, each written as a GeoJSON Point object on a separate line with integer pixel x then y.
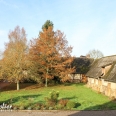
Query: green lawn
{"type": "Point", "coordinates": [85, 98]}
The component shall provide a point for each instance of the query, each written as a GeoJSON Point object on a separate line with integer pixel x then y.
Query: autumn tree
{"type": "Point", "coordinates": [95, 54]}
{"type": "Point", "coordinates": [14, 60]}
{"type": "Point", "coordinates": [50, 55]}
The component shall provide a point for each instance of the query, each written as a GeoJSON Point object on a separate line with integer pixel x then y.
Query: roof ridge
{"type": "Point", "coordinates": [108, 56]}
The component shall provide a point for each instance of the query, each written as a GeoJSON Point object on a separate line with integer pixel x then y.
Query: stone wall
{"type": "Point", "coordinates": [78, 78]}
{"type": "Point", "coordinates": [101, 86]}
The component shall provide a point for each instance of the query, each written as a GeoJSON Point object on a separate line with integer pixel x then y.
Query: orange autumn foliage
{"type": "Point", "coordinates": [14, 59]}
{"type": "Point", "coordinates": [50, 55]}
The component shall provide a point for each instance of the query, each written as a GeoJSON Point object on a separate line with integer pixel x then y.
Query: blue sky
{"type": "Point", "coordinates": [87, 24]}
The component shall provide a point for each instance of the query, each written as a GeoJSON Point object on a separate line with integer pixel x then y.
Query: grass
{"type": "Point", "coordinates": [85, 98]}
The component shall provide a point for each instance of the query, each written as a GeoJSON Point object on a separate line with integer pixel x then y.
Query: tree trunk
{"type": "Point", "coordinates": [46, 83]}
{"type": "Point", "coordinates": [80, 78]}
{"type": "Point", "coordinates": [17, 85]}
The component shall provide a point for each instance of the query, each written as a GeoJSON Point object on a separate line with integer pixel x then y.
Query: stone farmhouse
{"type": "Point", "coordinates": [102, 76]}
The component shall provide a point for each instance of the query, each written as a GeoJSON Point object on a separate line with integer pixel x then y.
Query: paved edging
{"type": "Point", "coordinates": [57, 113]}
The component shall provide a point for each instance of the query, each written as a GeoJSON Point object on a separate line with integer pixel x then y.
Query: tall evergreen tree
{"type": "Point", "coordinates": [47, 24]}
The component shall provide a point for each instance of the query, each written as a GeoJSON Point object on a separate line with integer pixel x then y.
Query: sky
{"type": "Point", "coordinates": [87, 24]}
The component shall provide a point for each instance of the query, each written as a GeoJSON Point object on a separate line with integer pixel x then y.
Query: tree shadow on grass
{"type": "Point", "coordinates": [77, 104]}
{"type": "Point", "coordinates": [106, 109]}
{"type": "Point", "coordinates": [12, 86]}
{"type": "Point", "coordinates": [70, 98]}
{"type": "Point", "coordinates": [106, 106]}
{"type": "Point", "coordinates": [80, 84]}
{"type": "Point", "coordinates": [73, 83]}
{"type": "Point", "coordinates": [22, 99]}
{"type": "Point", "coordinates": [67, 84]}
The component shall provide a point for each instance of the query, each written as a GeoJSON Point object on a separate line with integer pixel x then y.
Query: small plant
{"type": "Point", "coordinates": [15, 108]}
{"type": "Point", "coordinates": [52, 99]}
{"type": "Point", "coordinates": [29, 108]}
{"type": "Point", "coordinates": [37, 108]}
{"type": "Point", "coordinates": [31, 99]}
{"type": "Point", "coordinates": [63, 102]}
{"type": "Point", "coordinates": [51, 108]}
{"type": "Point", "coordinates": [43, 107]}
{"type": "Point", "coordinates": [59, 107]}
{"type": "Point", "coordinates": [70, 104]}
{"type": "Point", "coordinates": [22, 99]}
{"type": "Point", "coordinates": [54, 95]}
{"type": "Point", "coordinates": [21, 108]}
{"type": "Point", "coordinates": [113, 98]}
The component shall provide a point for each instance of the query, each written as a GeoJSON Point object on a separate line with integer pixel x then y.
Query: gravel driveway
{"type": "Point", "coordinates": [58, 113]}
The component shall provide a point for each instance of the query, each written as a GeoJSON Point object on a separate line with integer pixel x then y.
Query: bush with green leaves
{"type": "Point", "coordinates": [15, 108]}
{"type": "Point", "coordinates": [59, 107]}
{"type": "Point", "coordinates": [54, 95]}
{"type": "Point", "coordinates": [52, 99]}
{"type": "Point", "coordinates": [63, 102]}
{"type": "Point", "coordinates": [29, 108]}
{"type": "Point", "coordinates": [51, 108]}
{"type": "Point", "coordinates": [21, 108]}
{"type": "Point", "coordinates": [70, 104]}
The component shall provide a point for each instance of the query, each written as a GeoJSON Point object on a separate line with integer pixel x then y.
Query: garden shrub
{"type": "Point", "coordinates": [51, 108]}
{"type": "Point", "coordinates": [70, 104]}
{"type": "Point", "coordinates": [54, 95]}
{"type": "Point", "coordinates": [59, 107]}
{"type": "Point", "coordinates": [113, 98]}
{"type": "Point", "coordinates": [15, 108]}
{"type": "Point", "coordinates": [37, 108]}
{"type": "Point", "coordinates": [29, 108]}
{"type": "Point", "coordinates": [21, 108]}
{"type": "Point", "coordinates": [63, 102]}
{"type": "Point", "coordinates": [52, 99]}
{"type": "Point", "coordinates": [43, 107]}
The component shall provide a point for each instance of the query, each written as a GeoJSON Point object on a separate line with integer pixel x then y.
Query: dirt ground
{"type": "Point", "coordinates": [58, 113]}
{"type": "Point", "coordinates": [3, 84]}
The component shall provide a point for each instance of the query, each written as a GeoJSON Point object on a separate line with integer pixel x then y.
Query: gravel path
{"type": "Point", "coordinates": [58, 113]}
